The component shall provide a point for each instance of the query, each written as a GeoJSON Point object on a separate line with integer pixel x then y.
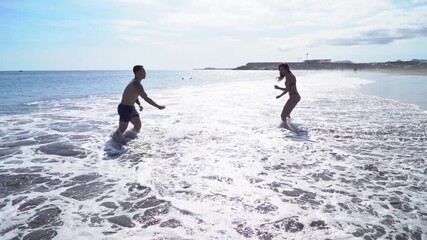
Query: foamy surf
{"type": "Point", "coordinates": [214, 165]}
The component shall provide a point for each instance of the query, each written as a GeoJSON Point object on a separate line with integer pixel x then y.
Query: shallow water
{"type": "Point", "coordinates": [215, 165]}
{"type": "Point", "coordinates": [404, 88]}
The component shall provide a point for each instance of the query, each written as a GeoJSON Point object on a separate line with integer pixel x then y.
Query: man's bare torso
{"type": "Point", "coordinates": [131, 93]}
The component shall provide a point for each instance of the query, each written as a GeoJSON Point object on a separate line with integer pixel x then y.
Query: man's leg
{"type": "Point", "coordinates": [117, 136]}
{"type": "Point", "coordinates": [136, 122]}
{"type": "Point", "coordinates": [125, 115]}
{"type": "Point", "coordinates": [123, 126]}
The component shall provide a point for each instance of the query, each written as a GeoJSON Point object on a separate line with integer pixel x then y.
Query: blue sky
{"type": "Point", "coordinates": [187, 34]}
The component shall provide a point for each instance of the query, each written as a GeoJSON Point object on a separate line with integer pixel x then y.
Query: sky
{"type": "Point", "coordinates": [188, 34]}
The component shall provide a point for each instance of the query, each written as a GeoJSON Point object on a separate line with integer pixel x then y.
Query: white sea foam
{"type": "Point", "coordinates": [215, 165]}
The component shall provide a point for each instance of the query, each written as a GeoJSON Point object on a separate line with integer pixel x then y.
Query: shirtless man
{"type": "Point", "coordinates": [126, 110]}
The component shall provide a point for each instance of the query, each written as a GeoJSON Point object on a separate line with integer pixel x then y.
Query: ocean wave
{"type": "Point", "coordinates": [214, 164]}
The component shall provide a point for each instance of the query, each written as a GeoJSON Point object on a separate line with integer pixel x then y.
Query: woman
{"type": "Point", "coordinates": [291, 87]}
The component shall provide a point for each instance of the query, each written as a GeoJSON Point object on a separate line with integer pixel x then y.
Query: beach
{"type": "Point", "coordinates": [214, 164]}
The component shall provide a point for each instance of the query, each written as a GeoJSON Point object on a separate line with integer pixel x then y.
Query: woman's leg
{"type": "Point", "coordinates": [289, 106]}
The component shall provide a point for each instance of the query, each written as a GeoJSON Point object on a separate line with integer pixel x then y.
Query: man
{"type": "Point", "coordinates": [126, 110]}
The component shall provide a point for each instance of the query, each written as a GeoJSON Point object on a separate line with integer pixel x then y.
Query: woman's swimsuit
{"type": "Point", "coordinates": [290, 87]}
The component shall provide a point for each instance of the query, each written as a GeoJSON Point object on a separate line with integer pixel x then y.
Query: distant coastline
{"type": "Point", "coordinates": [415, 66]}
{"type": "Point", "coordinates": [213, 68]}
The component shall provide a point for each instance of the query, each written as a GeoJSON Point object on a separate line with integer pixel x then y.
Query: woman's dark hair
{"type": "Point", "coordinates": [286, 66]}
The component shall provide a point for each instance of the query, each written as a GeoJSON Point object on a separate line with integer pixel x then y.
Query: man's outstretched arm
{"type": "Point", "coordinates": [151, 102]}
{"type": "Point", "coordinates": [146, 98]}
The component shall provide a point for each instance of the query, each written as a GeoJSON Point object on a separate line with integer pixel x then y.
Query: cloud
{"type": "Point", "coordinates": [377, 37]}
{"type": "Point", "coordinates": [350, 37]}
{"type": "Point", "coordinates": [131, 38]}
{"type": "Point", "coordinates": [287, 24]}
{"type": "Point", "coordinates": [229, 39]}
{"type": "Point", "coordinates": [136, 31]}
{"type": "Point", "coordinates": [332, 13]}
{"type": "Point", "coordinates": [64, 24]}
{"type": "Point", "coordinates": [128, 24]}
{"type": "Point", "coordinates": [382, 28]}
{"type": "Point", "coordinates": [147, 2]}
{"type": "Point", "coordinates": [222, 14]}
{"type": "Point", "coordinates": [259, 15]}
{"type": "Point", "coordinates": [265, 15]}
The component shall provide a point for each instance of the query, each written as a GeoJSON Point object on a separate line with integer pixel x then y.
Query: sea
{"type": "Point", "coordinates": [214, 164]}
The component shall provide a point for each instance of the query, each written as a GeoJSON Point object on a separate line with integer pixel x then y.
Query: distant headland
{"type": "Point", "coordinates": [214, 68]}
{"type": "Point", "coordinates": [415, 66]}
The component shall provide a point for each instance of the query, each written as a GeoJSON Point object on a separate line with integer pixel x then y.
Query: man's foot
{"type": "Point", "coordinates": [131, 134]}
{"type": "Point", "coordinates": [119, 138]}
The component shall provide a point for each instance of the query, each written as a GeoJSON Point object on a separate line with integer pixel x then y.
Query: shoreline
{"type": "Point", "coordinates": [411, 72]}
{"type": "Point", "coordinates": [407, 72]}
{"type": "Point", "coordinates": [393, 85]}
